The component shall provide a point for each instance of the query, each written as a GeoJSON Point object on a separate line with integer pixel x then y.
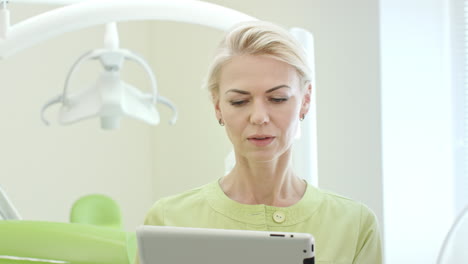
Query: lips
{"type": "Point", "coordinates": [261, 140]}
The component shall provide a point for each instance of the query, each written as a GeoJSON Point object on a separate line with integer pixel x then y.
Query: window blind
{"type": "Point", "coordinates": [463, 181]}
{"type": "Point", "coordinates": [459, 47]}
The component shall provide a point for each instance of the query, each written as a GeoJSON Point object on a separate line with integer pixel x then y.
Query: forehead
{"type": "Point", "coordinates": [256, 72]}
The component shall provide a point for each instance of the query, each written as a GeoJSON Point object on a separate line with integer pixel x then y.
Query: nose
{"type": "Point", "coordinates": [259, 114]}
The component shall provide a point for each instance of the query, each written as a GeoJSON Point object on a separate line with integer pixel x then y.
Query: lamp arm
{"type": "Point", "coordinates": [111, 36]}
{"type": "Point", "coordinates": [446, 249]}
{"type": "Point", "coordinates": [90, 13]}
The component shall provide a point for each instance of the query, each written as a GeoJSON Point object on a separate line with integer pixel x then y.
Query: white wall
{"type": "Point", "coordinates": [45, 169]}
{"type": "Point", "coordinates": [417, 129]}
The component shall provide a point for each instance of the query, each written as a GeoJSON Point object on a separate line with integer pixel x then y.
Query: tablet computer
{"type": "Point", "coordinates": [182, 245]}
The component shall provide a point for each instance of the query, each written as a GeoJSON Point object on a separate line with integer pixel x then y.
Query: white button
{"type": "Point", "coordinates": [279, 217]}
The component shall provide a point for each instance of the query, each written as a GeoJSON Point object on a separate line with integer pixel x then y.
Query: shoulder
{"type": "Point", "coordinates": [175, 205]}
{"type": "Point", "coordinates": [357, 224]}
{"type": "Point", "coordinates": [335, 203]}
{"type": "Point", "coordinates": [338, 210]}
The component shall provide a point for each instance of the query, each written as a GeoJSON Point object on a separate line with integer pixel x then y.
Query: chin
{"type": "Point", "coordinates": [262, 156]}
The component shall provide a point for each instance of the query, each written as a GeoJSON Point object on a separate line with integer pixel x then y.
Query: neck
{"type": "Point", "coordinates": [271, 183]}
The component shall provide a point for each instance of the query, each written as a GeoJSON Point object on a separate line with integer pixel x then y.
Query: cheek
{"type": "Point", "coordinates": [234, 132]}
{"type": "Point", "coordinates": [226, 113]}
{"type": "Point", "coordinates": [232, 114]}
{"type": "Point", "coordinates": [290, 125]}
{"type": "Point", "coordinates": [289, 121]}
{"type": "Point", "coordinates": [233, 120]}
{"type": "Point", "coordinates": [290, 112]}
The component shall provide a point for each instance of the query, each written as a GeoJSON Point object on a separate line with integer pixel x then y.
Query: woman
{"type": "Point", "coordinates": [260, 86]}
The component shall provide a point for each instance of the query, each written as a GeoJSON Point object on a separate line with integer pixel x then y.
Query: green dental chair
{"type": "Point", "coordinates": [94, 236]}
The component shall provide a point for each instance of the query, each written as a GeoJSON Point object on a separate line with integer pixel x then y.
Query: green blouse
{"type": "Point", "coordinates": [345, 231]}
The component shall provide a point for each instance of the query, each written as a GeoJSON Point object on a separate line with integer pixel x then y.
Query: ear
{"type": "Point", "coordinates": [306, 100]}
{"type": "Point", "coordinates": [215, 100]}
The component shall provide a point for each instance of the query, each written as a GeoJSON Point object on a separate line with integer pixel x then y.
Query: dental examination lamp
{"type": "Point", "coordinates": [109, 98]}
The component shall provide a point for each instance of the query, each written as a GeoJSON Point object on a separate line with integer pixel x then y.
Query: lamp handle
{"type": "Point", "coordinates": [88, 55]}
{"type": "Point", "coordinates": [155, 97]}
{"type": "Point", "coordinates": [138, 59]}
{"type": "Point", "coordinates": [52, 101]}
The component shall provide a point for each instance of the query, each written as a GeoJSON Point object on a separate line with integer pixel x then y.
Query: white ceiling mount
{"type": "Point", "coordinates": [4, 19]}
{"type": "Point", "coordinates": [90, 13]}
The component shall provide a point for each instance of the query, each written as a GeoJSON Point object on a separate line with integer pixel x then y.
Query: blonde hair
{"type": "Point", "coordinates": [258, 38]}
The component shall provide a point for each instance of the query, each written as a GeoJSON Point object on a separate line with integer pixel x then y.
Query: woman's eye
{"type": "Point", "coordinates": [238, 102]}
{"type": "Point", "coordinates": [278, 100]}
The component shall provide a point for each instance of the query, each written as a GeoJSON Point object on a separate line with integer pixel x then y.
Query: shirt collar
{"type": "Point", "coordinates": [261, 214]}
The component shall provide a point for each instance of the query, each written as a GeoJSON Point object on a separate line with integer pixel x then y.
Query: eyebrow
{"type": "Point", "coordinates": [268, 91]}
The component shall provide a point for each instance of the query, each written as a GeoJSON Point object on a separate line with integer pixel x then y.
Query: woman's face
{"type": "Point", "coordinates": [260, 101]}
